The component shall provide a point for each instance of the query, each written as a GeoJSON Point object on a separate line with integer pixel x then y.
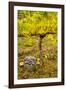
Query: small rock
{"type": "Point", "coordinates": [30, 60]}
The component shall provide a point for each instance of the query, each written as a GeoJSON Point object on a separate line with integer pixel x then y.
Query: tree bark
{"type": "Point", "coordinates": [40, 48]}
{"type": "Point", "coordinates": [41, 36]}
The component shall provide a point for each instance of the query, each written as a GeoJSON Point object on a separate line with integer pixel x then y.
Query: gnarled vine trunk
{"type": "Point", "coordinates": [41, 53]}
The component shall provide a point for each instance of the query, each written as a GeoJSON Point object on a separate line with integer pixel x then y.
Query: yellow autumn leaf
{"type": "Point", "coordinates": [38, 60]}
{"type": "Point", "coordinates": [50, 37]}
{"type": "Point", "coordinates": [21, 64]}
{"type": "Point", "coordinates": [45, 56]}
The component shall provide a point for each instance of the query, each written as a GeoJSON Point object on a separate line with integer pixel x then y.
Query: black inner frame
{"type": "Point", "coordinates": [11, 44]}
